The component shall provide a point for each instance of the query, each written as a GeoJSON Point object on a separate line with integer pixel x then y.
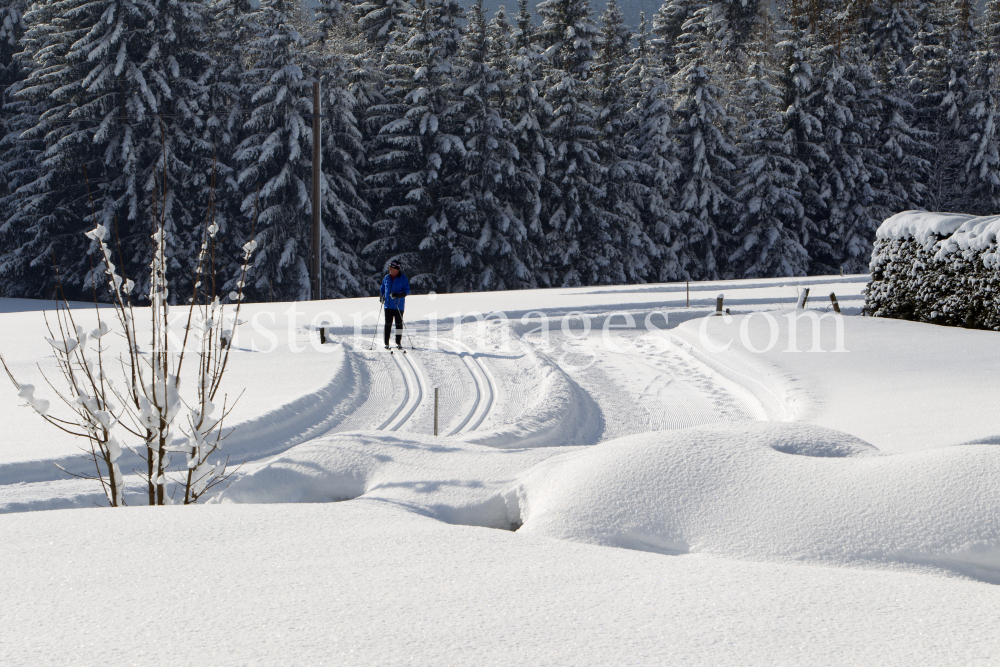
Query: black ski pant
{"type": "Point", "coordinates": [393, 315]}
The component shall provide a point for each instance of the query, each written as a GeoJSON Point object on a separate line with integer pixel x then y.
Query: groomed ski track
{"type": "Point", "coordinates": [415, 390]}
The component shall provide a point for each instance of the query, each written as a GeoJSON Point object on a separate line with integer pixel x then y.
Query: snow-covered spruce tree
{"type": "Point", "coordinates": [652, 134]}
{"type": "Point", "coordinates": [11, 30]}
{"type": "Point", "coordinates": [121, 86]}
{"type": "Point", "coordinates": [625, 175]}
{"type": "Point", "coordinates": [852, 181]}
{"type": "Point", "coordinates": [887, 35]}
{"type": "Point", "coordinates": [982, 165]}
{"type": "Point", "coordinates": [330, 17]}
{"type": "Point", "coordinates": [802, 102]}
{"type": "Point", "coordinates": [224, 124]}
{"type": "Point", "coordinates": [582, 247]}
{"type": "Point", "coordinates": [18, 159]}
{"type": "Point", "coordinates": [530, 114]}
{"type": "Point", "coordinates": [417, 158]}
{"type": "Point", "coordinates": [346, 226]}
{"type": "Point", "coordinates": [904, 149]}
{"type": "Point", "coordinates": [489, 235]}
{"type": "Point", "coordinates": [275, 163]}
{"type": "Point", "coordinates": [330, 54]}
{"type": "Point", "coordinates": [500, 39]}
{"type": "Point", "coordinates": [381, 21]}
{"type": "Point", "coordinates": [765, 239]}
{"type": "Point", "coordinates": [729, 26]}
{"type": "Point", "coordinates": [362, 78]}
{"type": "Point", "coordinates": [940, 86]}
{"type": "Point", "coordinates": [274, 158]}
{"type": "Point", "coordinates": [708, 152]}
{"type": "Point", "coordinates": [668, 26]}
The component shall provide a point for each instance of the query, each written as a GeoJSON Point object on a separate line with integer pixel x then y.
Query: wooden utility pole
{"type": "Point", "coordinates": [316, 263]}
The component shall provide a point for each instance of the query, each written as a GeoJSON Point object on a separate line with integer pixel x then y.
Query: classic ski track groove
{"type": "Point", "coordinates": [488, 383]}
{"type": "Point", "coordinates": [420, 388]}
{"type": "Point", "coordinates": [475, 380]}
{"type": "Point", "coordinates": [415, 391]}
{"type": "Point", "coordinates": [406, 397]}
{"type": "Point", "coordinates": [485, 386]}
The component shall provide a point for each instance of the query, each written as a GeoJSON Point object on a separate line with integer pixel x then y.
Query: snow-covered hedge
{"type": "Point", "coordinates": [937, 267]}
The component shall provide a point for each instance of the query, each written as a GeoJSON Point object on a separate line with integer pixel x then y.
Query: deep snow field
{"type": "Point", "coordinates": [619, 479]}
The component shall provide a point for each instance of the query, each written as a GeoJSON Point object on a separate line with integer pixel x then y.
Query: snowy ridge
{"type": "Point", "coordinates": [452, 481]}
{"type": "Point", "coordinates": [761, 405]}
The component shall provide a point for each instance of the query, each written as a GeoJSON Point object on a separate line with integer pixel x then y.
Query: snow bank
{"type": "Point", "coordinates": [772, 492]}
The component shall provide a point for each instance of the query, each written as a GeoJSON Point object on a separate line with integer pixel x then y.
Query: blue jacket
{"type": "Point", "coordinates": [390, 285]}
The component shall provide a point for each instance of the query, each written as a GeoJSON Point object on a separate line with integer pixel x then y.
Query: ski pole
{"type": "Point", "coordinates": [407, 332]}
{"type": "Point", "coordinates": [378, 318]}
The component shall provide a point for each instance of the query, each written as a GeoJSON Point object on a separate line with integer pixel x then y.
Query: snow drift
{"type": "Point", "coordinates": [449, 480]}
{"type": "Point", "coordinates": [754, 491]}
{"type": "Point", "coordinates": [773, 492]}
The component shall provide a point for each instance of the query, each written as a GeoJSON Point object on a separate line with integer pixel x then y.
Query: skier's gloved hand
{"type": "Point", "coordinates": [397, 295]}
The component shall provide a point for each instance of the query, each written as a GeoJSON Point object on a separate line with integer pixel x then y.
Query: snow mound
{"type": "Point", "coordinates": [446, 479]}
{"type": "Point", "coordinates": [734, 490]}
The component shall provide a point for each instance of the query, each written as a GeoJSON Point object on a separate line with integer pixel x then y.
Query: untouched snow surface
{"type": "Point", "coordinates": [619, 479]}
{"type": "Point", "coordinates": [901, 386]}
{"type": "Point", "coordinates": [367, 583]}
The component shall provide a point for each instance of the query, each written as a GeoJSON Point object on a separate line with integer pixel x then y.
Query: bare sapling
{"type": "Point", "coordinates": [143, 410]}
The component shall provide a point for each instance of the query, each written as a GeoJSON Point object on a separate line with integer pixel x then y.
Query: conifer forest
{"type": "Point", "coordinates": [542, 145]}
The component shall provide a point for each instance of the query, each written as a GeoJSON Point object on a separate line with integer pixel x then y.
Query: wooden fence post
{"type": "Point", "coordinates": [718, 305]}
{"type": "Point", "coordinates": [435, 410]}
{"type": "Point", "coordinates": [803, 297]}
{"type": "Point", "coordinates": [833, 300]}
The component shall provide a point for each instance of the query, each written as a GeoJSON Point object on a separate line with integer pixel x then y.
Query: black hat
{"type": "Point", "coordinates": [394, 264]}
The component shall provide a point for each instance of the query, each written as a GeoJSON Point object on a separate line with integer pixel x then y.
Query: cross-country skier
{"type": "Point", "coordinates": [395, 287]}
